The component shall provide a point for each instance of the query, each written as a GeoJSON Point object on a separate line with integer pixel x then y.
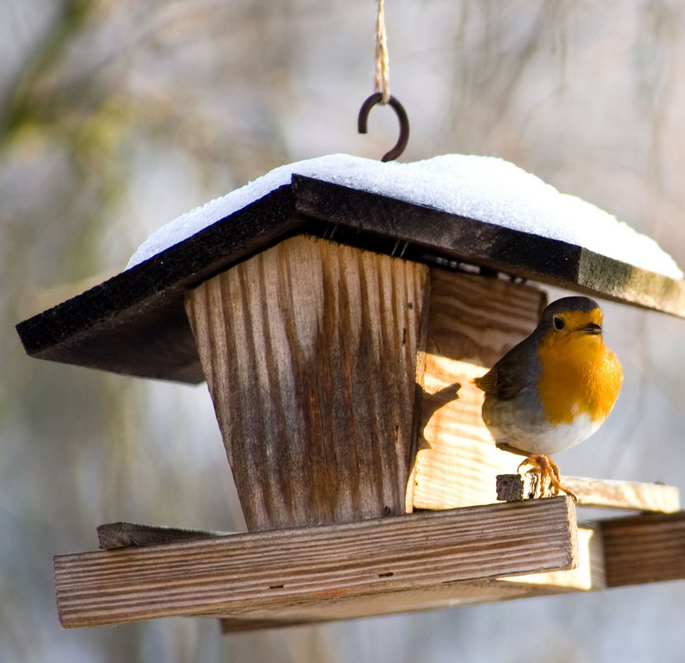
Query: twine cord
{"type": "Point", "coordinates": [382, 77]}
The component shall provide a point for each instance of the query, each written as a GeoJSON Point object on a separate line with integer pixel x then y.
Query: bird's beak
{"type": "Point", "coordinates": [591, 328]}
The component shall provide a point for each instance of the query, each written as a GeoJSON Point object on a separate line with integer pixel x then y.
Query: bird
{"type": "Point", "coordinates": [554, 389]}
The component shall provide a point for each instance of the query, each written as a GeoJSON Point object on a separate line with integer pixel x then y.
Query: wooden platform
{"type": "Point", "coordinates": [422, 561]}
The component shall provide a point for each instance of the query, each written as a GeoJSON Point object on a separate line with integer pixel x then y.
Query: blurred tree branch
{"type": "Point", "coordinates": [22, 105]}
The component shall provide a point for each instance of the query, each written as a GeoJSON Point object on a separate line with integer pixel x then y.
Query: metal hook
{"type": "Point", "coordinates": [401, 116]}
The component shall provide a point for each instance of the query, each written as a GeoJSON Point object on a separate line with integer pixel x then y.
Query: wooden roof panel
{"type": "Point", "coordinates": [135, 323]}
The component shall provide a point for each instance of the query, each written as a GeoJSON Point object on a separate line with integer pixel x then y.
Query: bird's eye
{"type": "Point", "coordinates": [558, 323]}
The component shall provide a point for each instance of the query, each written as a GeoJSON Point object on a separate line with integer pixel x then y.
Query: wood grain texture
{"type": "Point", "coordinates": [135, 322]}
{"type": "Point", "coordinates": [514, 252]}
{"type": "Point", "coordinates": [310, 353]}
{"type": "Point", "coordinates": [272, 570]}
{"type": "Point", "coordinates": [123, 535]}
{"type": "Point", "coordinates": [449, 595]}
{"type": "Point", "coordinates": [611, 553]}
{"type": "Point", "coordinates": [601, 493]}
{"type": "Point", "coordinates": [473, 321]}
{"type": "Point", "coordinates": [587, 576]}
{"type": "Point", "coordinates": [645, 548]}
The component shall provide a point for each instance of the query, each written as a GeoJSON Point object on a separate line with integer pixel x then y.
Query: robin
{"type": "Point", "coordinates": [554, 389]}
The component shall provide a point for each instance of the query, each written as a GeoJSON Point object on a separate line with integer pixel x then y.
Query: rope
{"type": "Point", "coordinates": [382, 78]}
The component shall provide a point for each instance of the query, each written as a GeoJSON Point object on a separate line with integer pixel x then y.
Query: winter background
{"type": "Point", "coordinates": [116, 117]}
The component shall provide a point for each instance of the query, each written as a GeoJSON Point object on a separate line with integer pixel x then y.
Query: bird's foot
{"type": "Point", "coordinates": [550, 477]}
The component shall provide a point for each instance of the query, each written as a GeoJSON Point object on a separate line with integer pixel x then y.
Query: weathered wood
{"type": "Point", "coordinates": [122, 535]}
{"type": "Point", "coordinates": [589, 574]}
{"type": "Point", "coordinates": [601, 493]}
{"type": "Point", "coordinates": [472, 322]}
{"type": "Point", "coordinates": [520, 254]}
{"type": "Point", "coordinates": [310, 352]}
{"type": "Point", "coordinates": [449, 595]}
{"type": "Point", "coordinates": [272, 570]}
{"type": "Point", "coordinates": [135, 324]}
{"type": "Point", "coordinates": [645, 548]}
{"type": "Point", "coordinates": [611, 553]}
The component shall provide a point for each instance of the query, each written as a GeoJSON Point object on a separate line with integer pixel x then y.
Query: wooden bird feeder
{"type": "Point", "coordinates": [339, 332]}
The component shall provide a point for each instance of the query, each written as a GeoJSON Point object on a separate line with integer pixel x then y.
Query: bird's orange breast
{"type": "Point", "coordinates": [579, 376]}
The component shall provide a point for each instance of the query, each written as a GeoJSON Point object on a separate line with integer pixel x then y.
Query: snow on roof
{"type": "Point", "coordinates": [481, 188]}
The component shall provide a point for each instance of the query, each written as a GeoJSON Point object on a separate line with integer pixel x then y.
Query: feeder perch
{"type": "Point", "coordinates": [339, 332]}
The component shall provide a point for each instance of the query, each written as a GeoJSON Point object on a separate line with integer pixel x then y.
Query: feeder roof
{"type": "Point", "coordinates": [476, 187]}
{"type": "Point", "coordinates": [135, 323]}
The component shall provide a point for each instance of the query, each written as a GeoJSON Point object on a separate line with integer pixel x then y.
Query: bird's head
{"type": "Point", "coordinates": [572, 316]}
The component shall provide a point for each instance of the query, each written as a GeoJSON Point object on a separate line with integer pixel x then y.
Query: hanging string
{"type": "Point", "coordinates": [382, 78]}
{"type": "Point", "coordinates": [382, 94]}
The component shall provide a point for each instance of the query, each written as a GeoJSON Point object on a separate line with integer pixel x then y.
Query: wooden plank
{"type": "Point", "coordinates": [645, 548]}
{"type": "Point", "coordinates": [269, 570]}
{"type": "Point", "coordinates": [123, 535]}
{"type": "Point", "coordinates": [601, 493]}
{"type": "Point", "coordinates": [625, 283]}
{"type": "Point", "coordinates": [587, 576]}
{"type": "Point", "coordinates": [310, 352]}
{"type": "Point", "coordinates": [478, 320]}
{"type": "Point", "coordinates": [447, 236]}
{"type": "Point", "coordinates": [449, 595]}
{"type": "Point", "coordinates": [135, 323]}
{"type": "Point", "coordinates": [472, 322]}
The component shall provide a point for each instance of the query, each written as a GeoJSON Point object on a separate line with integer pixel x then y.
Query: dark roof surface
{"type": "Point", "coordinates": [135, 322]}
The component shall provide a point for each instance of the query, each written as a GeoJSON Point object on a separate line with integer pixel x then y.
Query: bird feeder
{"type": "Point", "coordinates": [339, 332]}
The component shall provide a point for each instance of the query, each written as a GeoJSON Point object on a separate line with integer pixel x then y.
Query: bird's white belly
{"type": "Point", "coordinates": [545, 438]}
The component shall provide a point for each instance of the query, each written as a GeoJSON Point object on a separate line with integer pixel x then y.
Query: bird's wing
{"type": "Point", "coordinates": [488, 382]}
{"type": "Point", "coordinates": [509, 375]}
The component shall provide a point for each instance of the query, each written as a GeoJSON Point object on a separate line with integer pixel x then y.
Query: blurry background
{"type": "Point", "coordinates": [116, 117]}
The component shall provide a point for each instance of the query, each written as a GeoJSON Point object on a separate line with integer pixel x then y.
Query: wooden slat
{"type": "Point", "coordinates": [472, 322]}
{"type": "Point", "coordinates": [478, 320]}
{"type": "Point", "coordinates": [521, 254]}
{"type": "Point", "coordinates": [123, 535]}
{"type": "Point", "coordinates": [449, 595]}
{"type": "Point", "coordinates": [588, 575]}
{"type": "Point", "coordinates": [601, 493]}
{"type": "Point", "coordinates": [269, 570]}
{"type": "Point", "coordinates": [135, 322]}
{"type": "Point", "coordinates": [642, 549]}
{"type": "Point", "coordinates": [310, 352]}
